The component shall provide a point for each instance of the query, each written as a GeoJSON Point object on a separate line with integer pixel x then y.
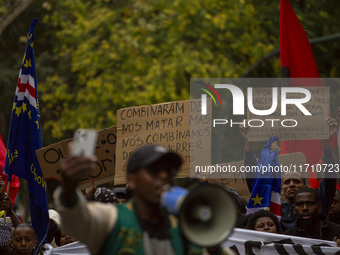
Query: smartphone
{"type": "Point", "coordinates": [84, 142]}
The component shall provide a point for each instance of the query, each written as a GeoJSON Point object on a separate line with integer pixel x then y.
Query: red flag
{"type": "Point", "coordinates": [296, 52]}
{"type": "Point", "coordinates": [297, 61]}
{"type": "Point", "coordinates": [15, 183]}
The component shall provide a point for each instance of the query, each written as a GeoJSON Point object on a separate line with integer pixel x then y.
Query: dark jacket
{"type": "Point", "coordinates": [288, 217]}
{"type": "Point", "coordinates": [328, 230]}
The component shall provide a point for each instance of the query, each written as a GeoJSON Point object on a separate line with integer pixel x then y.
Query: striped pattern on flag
{"type": "Point", "coordinates": [275, 203]}
{"type": "Point", "coordinates": [26, 88]}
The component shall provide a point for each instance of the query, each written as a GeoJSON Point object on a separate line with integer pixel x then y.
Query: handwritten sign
{"type": "Point", "coordinates": [178, 126]}
{"type": "Point", "coordinates": [338, 146]}
{"type": "Point", "coordinates": [294, 125]}
{"type": "Point", "coordinates": [50, 156]}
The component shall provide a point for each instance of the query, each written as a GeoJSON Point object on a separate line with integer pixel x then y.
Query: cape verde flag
{"type": "Point", "coordinates": [25, 138]}
{"type": "Point", "coordinates": [265, 194]}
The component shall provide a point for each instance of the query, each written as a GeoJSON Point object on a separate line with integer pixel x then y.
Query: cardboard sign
{"type": "Point", "coordinates": [338, 146]}
{"type": "Point", "coordinates": [50, 156]}
{"type": "Point", "coordinates": [294, 125]}
{"type": "Point", "coordinates": [178, 126]}
{"type": "Point", "coordinates": [237, 180]}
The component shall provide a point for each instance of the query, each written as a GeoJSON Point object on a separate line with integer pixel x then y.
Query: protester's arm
{"type": "Point", "coordinates": [7, 206]}
{"type": "Point", "coordinates": [88, 222]}
{"type": "Point", "coordinates": [249, 156]}
{"type": "Point", "coordinates": [248, 146]}
{"type": "Point", "coordinates": [74, 169]}
{"type": "Point", "coordinates": [89, 192]}
{"type": "Point", "coordinates": [337, 240]}
{"type": "Point", "coordinates": [328, 183]}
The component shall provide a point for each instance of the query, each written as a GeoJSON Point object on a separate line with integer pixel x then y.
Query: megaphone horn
{"type": "Point", "coordinates": [207, 214]}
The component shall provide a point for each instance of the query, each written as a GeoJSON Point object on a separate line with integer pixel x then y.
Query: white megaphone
{"type": "Point", "coordinates": [207, 214]}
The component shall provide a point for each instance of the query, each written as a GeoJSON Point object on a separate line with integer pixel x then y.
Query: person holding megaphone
{"type": "Point", "coordinates": [140, 226]}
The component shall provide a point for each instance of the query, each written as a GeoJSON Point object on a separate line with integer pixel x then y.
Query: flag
{"type": "Point", "coordinates": [297, 58]}
{"type": "Point", "coordinates": [297, 61]}
{"type": "Point", "coordinates": [15, 183]}
{"type": "Point", "coordinates": [25, 138]}
{"type": "Point", "coordinates": [265, 194]}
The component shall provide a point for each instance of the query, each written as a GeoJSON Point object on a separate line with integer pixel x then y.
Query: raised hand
{"type": "Point", "coordinates": [73, 170]}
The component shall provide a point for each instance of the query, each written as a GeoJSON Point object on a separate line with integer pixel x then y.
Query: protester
{"type": "Point", "coordinates": [5, 237]}
{"type": "Point", "coordinates": [240, 202]}
{"type": "Point", "coordinates": [334, 211]}
{"type": "Point", "coordinates": [243, 221]}
{"type": "Point", "coordinates": [101, 194]}
{"type": "Point", "coordinates": [65, 239]}
{"type": "Point", "coordinates": [56, 238]}
{"type": "Point", "coordinates": [141, 225]}
{"type": "Point", "coordinates": [265, 221]}
{"type": "Point", "coordinates": [292, 181]}
{"type": "Point", "coordinates": [105, 195]}
{"type": "Point", "coordinates": [24, 239]}
{"type": "Point", "coordinates": [6, 205]}
{"type": "Point", "coordinates": [311, 222]}
{"type": "Point", "coordinates": [53, 228]}
{"type": "Point", "coordinates": [122, 194]}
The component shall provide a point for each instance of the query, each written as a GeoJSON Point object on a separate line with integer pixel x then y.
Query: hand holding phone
{"type": "Point", "coordinates": [84, 142]}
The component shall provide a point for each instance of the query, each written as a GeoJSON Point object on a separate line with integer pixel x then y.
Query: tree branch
{"type": "Point", "coordinates": [14, 11]}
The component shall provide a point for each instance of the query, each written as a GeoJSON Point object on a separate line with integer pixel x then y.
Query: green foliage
{"type": "Point", "coordinates": [129, 53]}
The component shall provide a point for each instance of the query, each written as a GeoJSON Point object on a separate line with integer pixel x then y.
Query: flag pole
{"type": "Point", "coordinates": [5, 213]}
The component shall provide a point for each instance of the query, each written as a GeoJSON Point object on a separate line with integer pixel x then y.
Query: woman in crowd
{"type": "Point", "coordinates": [24, 239]}
{"type": "Point", "coordinates": [265, 221]}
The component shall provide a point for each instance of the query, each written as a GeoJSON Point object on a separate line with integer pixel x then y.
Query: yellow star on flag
{"type": "Point", "coordinates": [29, 114]}
{"type": "Point", "coordinates": [17, 111]}
{"type": "Point", "coordinates": [37, 124]}
{"type": "Point", "coordinates": [24, 107]}
{"type": "Point", "coordinates": [14, 105]}
{"type": "Point", "coordinates": [28, 63]}
{"type": "Point", "coordinates": [257, 200]}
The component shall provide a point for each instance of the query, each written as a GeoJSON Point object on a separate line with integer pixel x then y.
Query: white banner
{"type": "Point", "coordinates": [76, 248]}
{"type": "Point", "coordinates": [249, 242]}
{"type": "Point", "coordinates": [242, 241]}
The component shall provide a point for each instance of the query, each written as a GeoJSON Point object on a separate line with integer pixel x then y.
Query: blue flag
{"type": "Point", "coordinates": [25, 138]}
{"type": "Point", "coordinates": [266, 189]}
